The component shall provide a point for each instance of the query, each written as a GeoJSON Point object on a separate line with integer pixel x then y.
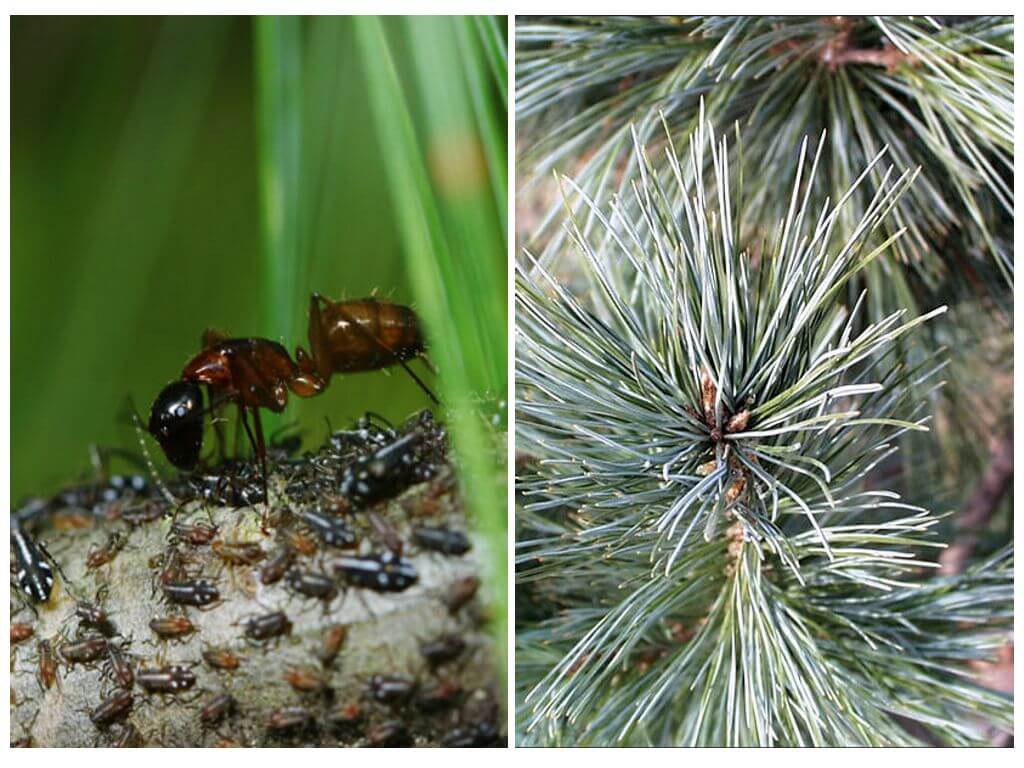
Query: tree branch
{"type": "Point", "coordinates": [981, 505]}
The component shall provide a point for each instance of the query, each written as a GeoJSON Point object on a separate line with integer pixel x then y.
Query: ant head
{"type": "Point", "coordinates": [176, 421]}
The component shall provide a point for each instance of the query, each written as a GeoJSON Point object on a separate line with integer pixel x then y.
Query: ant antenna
{"type": "Point", "coordinates": [170, 497]}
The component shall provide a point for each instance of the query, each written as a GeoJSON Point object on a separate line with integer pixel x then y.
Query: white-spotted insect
{"type": "Point", "coordinates": [32, 565]}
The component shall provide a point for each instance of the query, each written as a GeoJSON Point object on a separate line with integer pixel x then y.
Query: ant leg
{"type": "Point", "coordinates": [261, 449]}
{"type": "Point", "coordinates": [261, 454]}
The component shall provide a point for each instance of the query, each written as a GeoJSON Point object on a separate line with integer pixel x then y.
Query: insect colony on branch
{"type": "Point", "coordinates": [324, 495]}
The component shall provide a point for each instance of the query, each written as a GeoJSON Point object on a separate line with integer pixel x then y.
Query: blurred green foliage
{"type": "Point", "coordinates": [139, 147]}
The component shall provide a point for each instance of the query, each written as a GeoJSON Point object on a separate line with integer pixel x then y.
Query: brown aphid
{"type": "Point", "coordinates": [306, 680]}
{"type": "Point", "coordinates": [139, 514]}
{"type": "Point", "coordinates": [388, 734]}
{"type": "Point", "coordinates": [288, 719]}
{"type": "Point", "coordinates": [461, 592]}
{"type": "Point", "coordinates": [275, 568]}
{"type": "Point", "coordinates": [330, 643]}
{"type": "Point", "coordinates": [107, 552]}
{"type": "Point", "coordinates": [172, 566]}
{"type": "Point", "coordinates": [439, 695]}
{"type": "Point", "coordinates": [221, 658]}
{"type": "Point", "coordinates": [47, 671]}
{"type": "Point", "coordinates": [71, 520]}
{"type": "Point", "coordinates": [227, 744]}
{"type": "Point", "coordinates": [83, 651]}
{"type": "Point", "coordinates": [170, 627]}
{"type": "Point", "coordinates": [217, 708]}
{"type": "Point", "coordinates": [238, 552]}
{"type": "Point", "coordinates": [446, 648]}
{"type": "Point", "coordinates": [196, 534]}
{"type": "Point", "coordinates": [347, 716]}
{"type": "Point", "coordinates": [20, 633]}
{"type": "Point", "coordinates": [300, 543]}
{"type": "Point", "coordinates": [129, 738]}
{"type": "Point", "coordinates": [121, 666]}
{"type": "Point", "coordinates": [93, 615]}
{"type": "Point", "coordinates": [385, 532]}
{"type": "Point", "coordinates": [112, 709]}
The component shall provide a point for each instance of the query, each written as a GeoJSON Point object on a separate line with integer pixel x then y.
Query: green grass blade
{"type": "Point", "coordinates": [279, 110]}
{"type": "Point", "coordinates": [459, 298]}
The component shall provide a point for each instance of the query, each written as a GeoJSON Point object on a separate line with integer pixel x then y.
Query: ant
{"type": "Point", "coordinates": [255, 373]}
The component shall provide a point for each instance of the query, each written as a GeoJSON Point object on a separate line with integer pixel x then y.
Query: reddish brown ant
{"type": "Point", "coordinates": [255, 373]}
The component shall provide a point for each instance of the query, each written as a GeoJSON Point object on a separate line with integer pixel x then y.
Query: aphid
{"type": "Point", "coordinates": [300, 543]}
{"type": "Point", "coordinates": [370, 431]}
{"type": "Point", "coordinates": [112, 709]}
{"type": "Point", "coordinates": [227, 743]}
{"type": "Point", "coordinates": [172, 566]}
{"type": "Point", "coordinates": [388, 535]}
{"type": "Point", "coordinates": [476, 735]}
{"type": "Point", "coordinates": [333, 531]}
{"type": "Point", "coordinates": [330, 643]}
{"type": "Point", "coordinates": [72, 520]}
{"type": "Point", "coordinates": [384, 572]}
{"type": "Point", "coordinates": [438, 695]}
{"type": "Point", "coordinates": [388, 734]}
{"type": "Point", "coordinates": [461, 592]}
{"type": "Point", "coordinates": [107, 552]}
{"type": "Point", "coordinates": [446, 648]}
{"type": "Point", "coordinates": [119, 486]}
{"type": "Point", "coordinates": [306, 680]}
{"type": "Point", "coordinates": [143, 513]}
{"type": "Point", "coordinates": [347, 717]}
{"type": "Point", "coordinates": [311, 584]}
{"type": "Point", "coordinates": [217, 708]}
{"type": "Point", "coordinates": [442, 540]}
{"type": "Point", "coordinates": [128, 738]}
{"type": "Point", "coordinates": [238, 552]}
{"type": "Point", "coordinates": [195, 534]}
{"type": "Point", "coordinates": [274, 569]}
{"type": "Point", "coordinates": [221, 658]}
{"type": "Point", "coordinates": [84, 651]}
{"type": "Point", "coordinates": [93, 615]}
{"type": "Point", "coordinates": [20, 633]}
{"type": "Point", "coordinates": [391, 690]}
{"type": "Point", "coordinates": [386, 472]}
{"type": "Point", "coordinates": [268, 625]}
{"type": "Point", "coordinates": [289, 719]}
{"type": "Point", "coordinates": [167, 679]}
{"type": "Point", "coordinates": [197, 593]}
{"type": "Point", "coordinates": [121, 666]}
{"type": "Point", "coordinates": [32, 564]}
{"type": "Point", "coordinates": [172, 626]}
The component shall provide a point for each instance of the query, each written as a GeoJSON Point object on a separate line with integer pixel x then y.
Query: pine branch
{"type": "Point", "coordinates": [938, 93]}
{"type": "Point", "coordinates": [702, 555]}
